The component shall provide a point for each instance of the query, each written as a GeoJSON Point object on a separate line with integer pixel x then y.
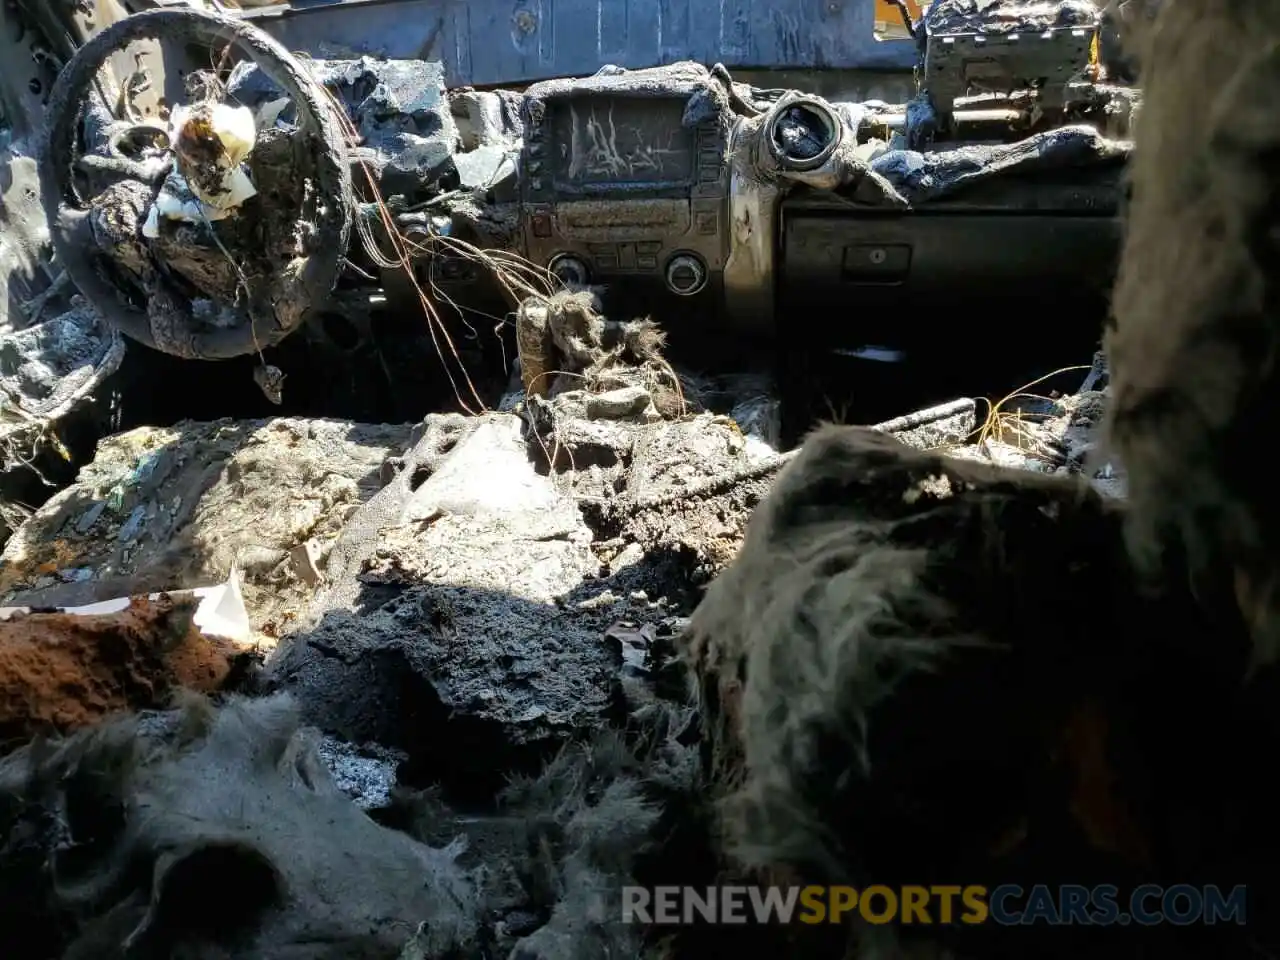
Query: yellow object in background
{"type": "Point", "coordinates": [886, 12]}
{"type": "Point", "coordinates": [889, 20]}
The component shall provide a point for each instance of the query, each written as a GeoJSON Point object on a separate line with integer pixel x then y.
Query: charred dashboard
{"type": "Point", "coordinates": [362, 188]}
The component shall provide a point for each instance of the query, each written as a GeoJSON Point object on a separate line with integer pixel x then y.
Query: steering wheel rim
{"type": "Point", "coordinates": [309, 286]}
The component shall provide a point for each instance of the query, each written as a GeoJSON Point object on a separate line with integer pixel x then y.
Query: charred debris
{"type": "Point", "coordinates": [369, 444]}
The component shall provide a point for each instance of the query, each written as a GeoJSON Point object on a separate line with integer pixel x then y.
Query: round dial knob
{"type": "Point", "coordinates": [569, 270]}
{"type": "Point", "coordinates": [686, 275]}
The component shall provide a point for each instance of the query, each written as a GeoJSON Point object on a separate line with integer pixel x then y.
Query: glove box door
{"type": "Point", "coordinates": [921, 277]}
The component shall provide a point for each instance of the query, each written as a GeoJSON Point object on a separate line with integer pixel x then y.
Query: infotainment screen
{"type": "Point", "coordinates": [601, 140]}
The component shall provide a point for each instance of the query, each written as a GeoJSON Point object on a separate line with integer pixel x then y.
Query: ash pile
{"type": "Point", "coordinates": [455, 644]}
{"type": "Point", "coordinates": [461, 658]}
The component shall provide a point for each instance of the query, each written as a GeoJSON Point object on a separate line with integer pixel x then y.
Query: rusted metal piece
{"type": "Point", "coordinates": [60, 671]}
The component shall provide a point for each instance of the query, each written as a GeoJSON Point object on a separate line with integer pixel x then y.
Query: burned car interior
{"type": "Point", "coordinates": [473, 472]}
{"type": "Point", "coordinates": [732, 212]}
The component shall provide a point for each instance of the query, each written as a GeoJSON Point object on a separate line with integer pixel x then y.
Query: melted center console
{"type": "Point", "coordinates": [624, 183]}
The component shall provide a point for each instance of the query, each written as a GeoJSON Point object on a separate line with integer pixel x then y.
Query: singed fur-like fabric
{"type": "Point", "coordinates": [1193, 349]}
{"type": "Point", "coordinates": [922, 670]}
{"type": "Point", "coordinates": [218, 836]}
{"type": "Point", "coordinates": [215, 833]}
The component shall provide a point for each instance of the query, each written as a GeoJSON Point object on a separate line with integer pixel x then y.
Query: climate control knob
{"type": "Point", "coordinates": [686, 275]}
{"type": "Point", "coordinates": [569, 270]}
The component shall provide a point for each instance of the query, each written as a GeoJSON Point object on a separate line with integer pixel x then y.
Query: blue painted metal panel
{"type": "Point", "coordinates": [513, 42]}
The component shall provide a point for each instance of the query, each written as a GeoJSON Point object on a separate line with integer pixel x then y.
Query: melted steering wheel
{"type": "Point", "coordinates": [286, 294]}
